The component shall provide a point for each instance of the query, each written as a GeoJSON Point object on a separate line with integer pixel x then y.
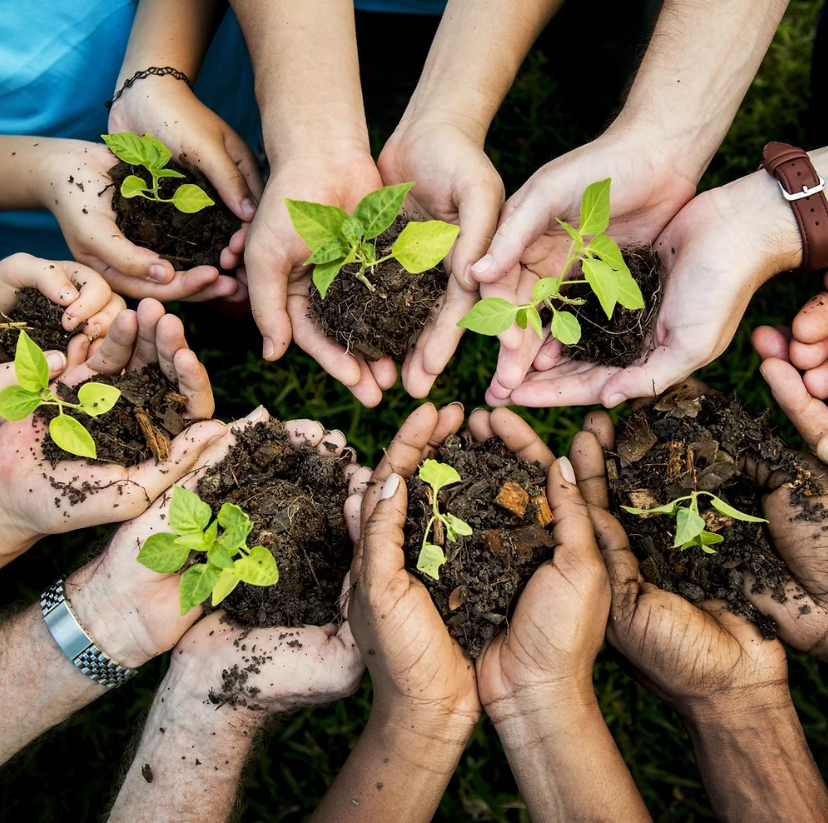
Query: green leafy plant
{"type": "Point", "coordinates": [337, 239]}
{"type": "Point", "coordinates": [604, 270]}
{"type": "Point", "coordinates": [189, 518]}
{"type": "Point", "coordinates": [690, 525]}
{"type": "Point", "coordinates": [438, 475]}
{"type": "Point", "coordinates": [32, 391]}
{"type": "Point", "coordinates": [153, 155]}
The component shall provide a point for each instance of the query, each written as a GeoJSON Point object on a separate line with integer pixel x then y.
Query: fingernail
{"type": "Point", "coordinates": [71, 322]}
{"type": "Point", "coordinates": [458, 403]}
{"type": "Point", "coordinates": [614, 400]}
{"type": "Point", "coordinates": [256, 415]}
{"type": "Point", "coordinates": [93, 332]}
{"type": "Point", "coordinates": [158, 273]}
{"type": "Point", "coordinates": [567, 472]}
{"type": "Point", "coordinates": [390, 486]}
{"type": "Point", "coordinates": [248, 208]}
{"type": "Point", "coordinates": [268, 349]}
{"type": "Point", "coordinates": [483, 264]}
{"type": "Point", "coordinates": [467, 277]}
{"type": "Point", "coordinates": [218, 435]}
{"type": "Point", "coordinates": [56, 360]}
{"type": "Point", "coordinates": [69, 293]}
{"type": "Point", "coordinates": [764, 376]}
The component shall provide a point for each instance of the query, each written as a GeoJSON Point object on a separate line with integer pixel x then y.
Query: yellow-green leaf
{"type": "Point", "coordinates": [438, 475]}
{"type": "Point", "coordinates": [595, 208]}
{"type": "Point", "coordinates": [236, 524]}
{"type": "Point", "coordinates": [377, 210]}
{"type": "Point", "coordinates": [30, 366]}
{"type": "Point", "coordinates": [689, 524]}
{"type": "Point", "coordinates": [604, 282]}
{"type": "Point", "coordinates": [163, 554]}
{"type": "Point", "coordinates": [258, 568]}
{"type": "Point", "coordinates": [158, 155]}
{"type": "Point", "coordinates": [189, 199]}
{"type": "Point", "coordinates": [421, 246]}
{"type": "Point", "coordinates": [133, 186]}
{"type": "Point", "coordinates": [629, 293]}
{"type": "Point", "coordinates": [489, 316]}
{"type": "Point", "coordinates": [228, 580]}
{"type": "Point", "coordinates": [545, 288]}
{"type": "Point", "coordinates": [728, 511]}
{"type": "Point", "coordinates": [314, 222]}
{"type": "Point", "coordinates": [188, 512]}
{"type": "Point", "coordinates": [127, 147]}
{"type": "Point", "coordinates": [97, 398]}
{"type": "Point", "coordinates": [430, 559]}
{"type": "Point", "coordinates": [565, 327]}
{"type": "Point", "coordinates": [72, 437]}
{"type": "Point", "coordinates": [324, 274]}
{"type": "Point", "coordinates": [196, 584]}
{"type": "Point", "coordinates": [534, 319]}
{"type": "Point", "coordinates": [17, 403]}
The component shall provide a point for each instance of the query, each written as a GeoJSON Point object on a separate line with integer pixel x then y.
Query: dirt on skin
{"type": "Point", "coordinates": [296, 499]}
{"type": "Point", "coordinates": [186, 240]}
{"type": "Point", "coordinates": [503, 498]}
{"type": "Point", "coordinates": [40, 318]}
{"type": "Point", "coordinates": [148, 415]}
{"type": "Point", "coordinates": [382, 322]}
{"type": "Point", "coordinates": [620, 341]}
{"type": "Point", "coordinates": [678, 444]}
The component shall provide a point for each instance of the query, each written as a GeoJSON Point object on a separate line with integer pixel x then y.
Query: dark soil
{"type": "Point", "coordinates": [620, 341]}
{"type": "Point", "coordinates": [296, 499]}
{"type": "Point", "coordinates": [148, 414]}
{"type": "Point", "coordinates": [486, 571]}
{"type": "Point", "coordinates": [41, 320]}
{"type": "Point", "coordinates": [186, 240]}
{"type": "Point", "coordinates": [383, 322]}
{"type": "Point", "coordinates": [678, 444]}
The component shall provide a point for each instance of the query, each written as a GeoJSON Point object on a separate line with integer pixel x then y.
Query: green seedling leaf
{"type": "Point", "coordinates": [607, 250]}
{"type": "Point", "coordinates": [455, 526]}
{"type": "Point", "coordinates": [190, 199]}
{"type": "Point", "coordinates": [490, 316]}
{"type": "Point", "coordinates": [127, 147]}
{"type": "Point", "coordinates": [604, 282]}
{"type": "Point", "coordinates": [30, 366]}
{"type": "Point", "coordinates": [196, 584]}
{"type": "Point", "coordinates": [438, 475]}
{"type": "Point", "coordinates": [352, 230]}
{"type": "Point", "coordinates": [17, 403]}
{"type": "Point", "coordinates": [376, 211]}
{"type": "Point", "coordinates": [565, 327]}
{"type": "Point", "coordinates": [369, 251]}
{"type": "Point", "coordinates": [314, 222]}
{"type": "Point", "coordinates": [97, 398]}
{"type": "Point", "coordinates": [133, 186]}
{"type": "Point", "coordinates": [188, 512]}
{"type": "Point", "coordinates": [220, 557]}
{"type": "Point", "coordinates": [703, 540]}
{"type": "Point", "coordinates": [430, 559]}
{"type": "Point", "coordinates": [161, 173]}
{"type": "Point", "coordinates": [595, 208]}
{"type": "Point", "coordinates": [534, 318]}
{"type": "Point", "coordinates": [327, 252]}
{"type": "Point", "coordinates": [520, 317]}
{"type": "Point", "coordinates": [324, 274]}
{"type": "Point", "coordinates": [667, 508]}
{"type": "Point", "coordinates": [629, 293]}
{"type": "Point", "coordinates": [258, 568]}
{"type": "Point", "coordinates": [573, 233]}
{"type": "Point", "coordinates": [162, 553]}
{"type": "Point", "coordinates": [735, 514]}
{"type": "Point", "coordinates": [689, 524]}
{"type": "Point", "coordinates": [194, 541]}
{"type": "Point", "coordinates": [228, 580]}
{"type": "Point", "coordinates": [72, 437]}
{"type": "Point", "coordinates": [421, 246]}
{"type": "Point", "coordinates": [236, 524]}
{"type": "Point", "coordinates": [546, 288]}
{"type": "Point", "coordinates": [157, 154]}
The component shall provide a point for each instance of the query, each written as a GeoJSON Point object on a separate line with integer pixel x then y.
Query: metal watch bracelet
{"type": "Point", "coordinates": [75, 643]}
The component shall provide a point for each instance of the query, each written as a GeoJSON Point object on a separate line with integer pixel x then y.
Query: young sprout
{"type": "Point", "coordinates": [438, 475]}
{"type": "Point", "coordinates": [337, 239]}
{"type": "Point", "coordinates": [690, 525]}
{"type": "Point", "coordinates": [189, 518]}
{"type": "Point", "coordinates": [32, 391]}
{"type": "Point", "coordinates": [604, 270]}
{"type": "Point", "coordinates": [153, 155]}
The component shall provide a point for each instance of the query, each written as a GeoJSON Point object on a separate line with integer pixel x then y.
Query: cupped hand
{"type": "Point", "coordinates": [696, 657]}
{"type": "Point", "coordinates": [455, 182]}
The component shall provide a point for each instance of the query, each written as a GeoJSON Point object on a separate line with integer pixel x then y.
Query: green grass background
{"type": "Point", "coordinates": [69, 774]}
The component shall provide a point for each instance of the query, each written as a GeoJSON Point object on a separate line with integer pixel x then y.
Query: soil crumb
{"type": "Point", "coordinates": [41, 320]}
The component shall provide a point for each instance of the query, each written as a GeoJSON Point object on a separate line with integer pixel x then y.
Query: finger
{"type": "Point", "coordinates": [449, 421]}
{"type": "Point", "coordinates": [478, 210]}
{"type": "Point", "coordinates": [664, 368]}
{"type": "Point", "coordinates": [259, 415]}
{"type": "Point", "coordinates": [547, 389]}
{"type": "Point", "coordinates": [169, 340]}
{"type": "Point", "coordinates": [149, 314]}
{"type": "Point", "coordinates": [267, 273]}
{"type": "Point", "coordinates": [811, 324]}
{"type": "Point", "coordinates": [359, 479]}
{"type": "Point", "coordinates": [99, 323]}
{"type": "Point", "coordinates": [807, 355]}
{"type": "Point", "coordinates": [79, 350]}
{"type": "Point", "coordinates": [194, 383]}
{"type": "Point", "coordinates": [480, 425]}
{"type": "Point", "coordinates": [367, 390]}
{"type": "Point", "coordinates": [816, 381]}
{"type": "Point", "coordinates": [94, 294]}
{"type": "Point", "coordinates": [601, 425]}
{"type": "Point", "coordinates": [515, 287]}
{"type": "Point", "coordinates": [197, 285]}
{"type": "Point", "coordinates": [589, 464]}
{"type": "Point", "coordinates": [513, 364]}
{"type": "Point", "coordinates": [304, 432]}
{"type": "Point", "coordinates": [521, 438]}
{"type": "Point", "coordinates": [332, 443]}
{"type": "Point", "coordinates": [384, 372]}
{"type": "Point", "coordinates": [226, 176]}
{"type": "Point", "coordinates": [771, 342]}
{"type": "Point", "coordinates": [114, 353]}
{"type": "Point", "coordinates": [549, 355]}
{"type": "Point", "coordinates": [621, 563]}
{"type": "Point", "coordinates": [382, 554]}
{"type": "Point", "coordinates": [353, 507]}
{"type": "Point", "coordinates": [21, 270]}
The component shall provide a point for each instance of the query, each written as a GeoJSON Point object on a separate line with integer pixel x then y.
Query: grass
{"type": "Point", "coordinates": [68, 774]}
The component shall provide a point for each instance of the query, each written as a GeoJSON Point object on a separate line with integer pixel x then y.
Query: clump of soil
{"type": "Point", "coordinates": [295, 498]}
{"type": "Point", "coordinates": [503, 498]}
{"type": "Point", "coordinates": [41, 320]}
{"type": "Point", "coordinates": [148, 414]}
{"type": "Point", "coordinates": [382, 322]}
{"type": "Point", "coordinates": [681, 443]}
{"type": "Point", "coordinates": [186, 240]}
{"type": "Point", "coordinates": [620, 341]}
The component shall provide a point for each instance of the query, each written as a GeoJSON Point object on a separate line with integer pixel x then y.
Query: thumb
{"type": "Point", "coordinates": [228, 179]}
{"type": "Point", "coordinates": [665, 367]}
{"type": "Point", "coordinates": [383, 538]}
{"type": "Point", "coordinates": [621, 564]}
{"type": "Point", "coordinates": [478, 210]}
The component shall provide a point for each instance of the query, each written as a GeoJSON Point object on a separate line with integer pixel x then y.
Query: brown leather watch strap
{"type": "Point", "coordinates": [802, 187]}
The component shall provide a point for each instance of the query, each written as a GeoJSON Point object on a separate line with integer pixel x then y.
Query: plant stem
{"type": "Point", "coordinates": [363, 279]}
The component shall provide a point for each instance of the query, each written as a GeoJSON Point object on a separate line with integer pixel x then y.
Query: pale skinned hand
{"type": "Point", "coordinates": [76, 188]}
{"type": "Point", "coordinates": [691, 655]}
{"type": "Point", "coordinates": [134, 613]}
{"type": "Point", "coordinates": [457, 183]}
{"type": "Point", "coordinates": [29, 485]}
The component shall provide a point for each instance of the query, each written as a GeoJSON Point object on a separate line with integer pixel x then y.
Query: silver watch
{"type": "Point", "coordinates": [75, 643]}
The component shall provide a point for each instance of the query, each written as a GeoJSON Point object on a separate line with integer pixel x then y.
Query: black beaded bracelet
{"type": "Point", "coordinates": [152, 71]}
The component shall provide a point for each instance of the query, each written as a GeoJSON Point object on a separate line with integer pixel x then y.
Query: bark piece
{"type": "Point", "coordinates": [638, 439]}
{"type": "Point", "coordinates": [513, 497]}
{"type": "Point", "coordinates": [158, 442]}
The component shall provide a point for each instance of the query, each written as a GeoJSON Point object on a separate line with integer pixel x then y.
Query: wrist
{"type": "Point", "coordinates": [427, 113]}
{"type": "Point", "coordinates": [737, 710]}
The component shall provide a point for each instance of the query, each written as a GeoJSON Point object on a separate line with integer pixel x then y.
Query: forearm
{"type": "Point", "coordinates": [474, 58]}
{"type": "Point", "coordinates": [307, 75]}
{"type": "Point", "coordinates": [700, 62]}
{"type": "Point", "coordinates": [399, 768]}
{"type": "Point", "coordinates": [565, 761]}
{"type": "Point", "coordinates": [755, 761]}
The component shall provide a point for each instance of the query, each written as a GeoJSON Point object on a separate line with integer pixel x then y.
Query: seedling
{"type": "Point", "coordinates": [32, 391]}
{"type": "Point", "coordinates": [438, 475]}
{"type": "Point", "coordinates": [153, 155]}
{"type": "Point", "coordinates": [337, 239]}
{"type": "Point", "coordinates": [690, 525]}
{"type": "Point", "coordinates": [604, 269]}
{"type": "Point", "coordinates": [189, 518]}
